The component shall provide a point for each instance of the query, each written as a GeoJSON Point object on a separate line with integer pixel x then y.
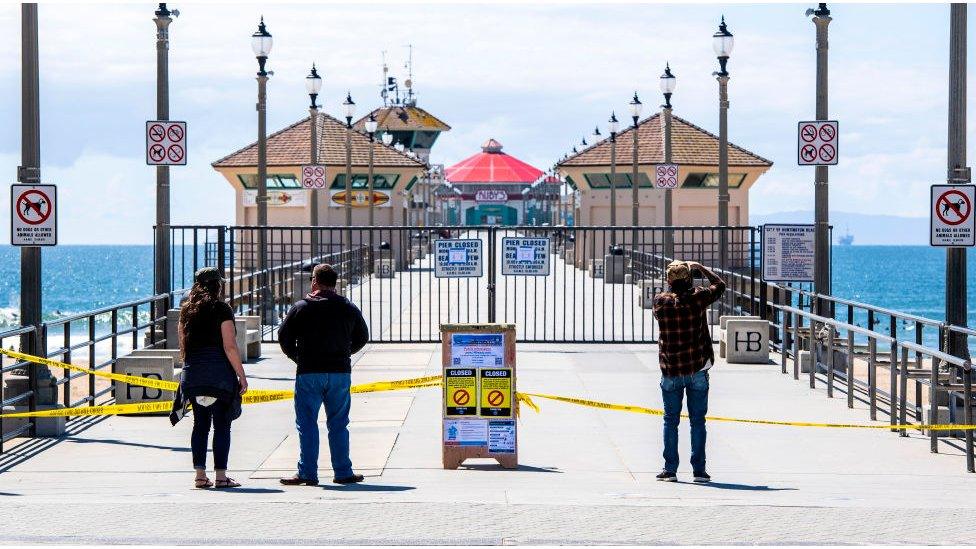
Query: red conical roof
{"type": "Point", "coordinates": [492, 166]}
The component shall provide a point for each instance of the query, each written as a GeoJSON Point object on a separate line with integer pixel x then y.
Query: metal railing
{"type": "Point", "coordinates": [22, 399]}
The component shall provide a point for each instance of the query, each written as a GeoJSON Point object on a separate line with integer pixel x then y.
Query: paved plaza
{"type": "Point", "coordinates": [586, 475]}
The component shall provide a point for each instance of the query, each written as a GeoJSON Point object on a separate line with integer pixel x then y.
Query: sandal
{"type": "Point", "coordinates": [227, 483]}
{"type": "Point", "coordinates": [202, 483]}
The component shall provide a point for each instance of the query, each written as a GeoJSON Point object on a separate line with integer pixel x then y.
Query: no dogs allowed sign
{"type": "Point", "coordinates": [34, 219]}
{"type": "Point", "coordinates": [951, 216]}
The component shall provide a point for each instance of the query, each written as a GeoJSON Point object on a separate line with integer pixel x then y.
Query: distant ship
{"type": "Point", "coordinates": [845, 239]}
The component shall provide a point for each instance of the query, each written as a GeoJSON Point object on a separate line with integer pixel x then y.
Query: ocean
{"type": "Point", "coordinates": [910, 279]}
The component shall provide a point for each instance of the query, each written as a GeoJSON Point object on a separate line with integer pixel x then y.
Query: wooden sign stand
{"type": "Point", "coordinates": [478, 405]}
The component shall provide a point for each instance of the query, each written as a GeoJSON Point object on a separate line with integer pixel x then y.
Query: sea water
{"type": "Point", "coordinates": [910, 279]}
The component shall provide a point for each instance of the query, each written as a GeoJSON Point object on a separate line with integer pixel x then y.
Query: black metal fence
{"type": "Point", "coordinates": [598, 287]}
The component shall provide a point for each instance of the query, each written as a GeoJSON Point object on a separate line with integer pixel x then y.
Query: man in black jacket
{"type": "Point", "coordinates": [320, 333]}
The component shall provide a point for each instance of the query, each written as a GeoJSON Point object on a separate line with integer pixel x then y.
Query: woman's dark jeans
{"type": "Point", "coordinates": [217, 414]}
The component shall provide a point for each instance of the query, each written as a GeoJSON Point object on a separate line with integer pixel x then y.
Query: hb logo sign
{"type": "Point", "coordinates": [751, 340]}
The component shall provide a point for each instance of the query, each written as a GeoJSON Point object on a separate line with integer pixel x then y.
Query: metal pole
{"type": "Point", "coordinates": [161, 252]}
{"type": "Point", "coordinates": [723, 167]}
{"type": "Point", "coordinates": [313, 218]}
{"type": "Point", "coordinates": [370, 177]}
{"type": "Point", "coordinates": [349, 173]}
{"type": "Point", "coordinates": [634, 185]}
{"type": "Point", "coordinates": [668, 218]}
{"type": "Point", "coordinates": [821, 274]}
{"type": "Point", "coordinates": [29, 172]}
{"type": "Point", "coordinates": [613, 187]}
{"type": "Point", "coordinates": [262, 198]}
{"type": "Point", "coordinates": [956, 294]}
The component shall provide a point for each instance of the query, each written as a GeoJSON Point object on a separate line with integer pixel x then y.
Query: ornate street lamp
{"type": "Point", "coordinates": [612, 126]}
{"type": "Point", "coordinates": [722, 42]}
{"type": "Point", "coordinates": [668, 83]}
{"type": "Point", "coordinates": [635, 111]}
{"type": "Point", "coordinates": [261, 43]}
{"type": "Point", "coordinates": [371, 132]}
{"type": "Point", "coordinates": [313, 84]}
{"type": "Point", "coordinates": [349, 109]}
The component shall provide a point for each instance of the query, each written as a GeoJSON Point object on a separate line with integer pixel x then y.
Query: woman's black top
{"type": "Point", "coordinates": [204, 327]}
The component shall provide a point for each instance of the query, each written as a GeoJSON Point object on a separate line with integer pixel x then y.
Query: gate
{"type": "Point", "coordinates": [598, 288]}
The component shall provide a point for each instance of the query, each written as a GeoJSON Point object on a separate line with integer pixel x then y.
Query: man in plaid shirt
{"type": "Point", "coordinates": [685, 355]}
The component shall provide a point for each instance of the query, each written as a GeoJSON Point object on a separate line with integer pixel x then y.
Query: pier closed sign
{"type": "Point", "coordinates": [952, 216]}
{"type": "Point", "coordinates": [34, 218]}
{"type": "Point", "coordinates": [458, 258]}
{"type": "Point", "coordinates": [788, 253]}
{"type": "Point", "coordinates": [525, 256]}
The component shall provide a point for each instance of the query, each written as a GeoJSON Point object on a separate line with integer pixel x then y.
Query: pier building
{"type": "Point", "coordinates": [694, 150]}
{"type": "Point", "coordinates": [491, 185]}
{"type": "Point", "coordinates": [412, 127]}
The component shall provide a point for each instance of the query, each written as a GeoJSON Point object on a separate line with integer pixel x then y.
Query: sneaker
{"type": "Point", "coordinates": [702, 477]}
{"type": "Point", "coordinates": [666, 476]}
{"type": "Point", "coordinates": [349, 480]}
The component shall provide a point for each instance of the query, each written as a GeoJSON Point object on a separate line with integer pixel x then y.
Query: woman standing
{"type": "Point", "coordinates": [213, 378]}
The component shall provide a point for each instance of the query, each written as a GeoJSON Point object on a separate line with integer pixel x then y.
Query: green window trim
{"type": "Point", "coordinates": [572, 183]}
{"type": "Point", "coordinates": [275, 181]}
{"type": "Point", "coordinates": [700, 180]}
{"type": "Point", "coordinates": [360, 181]}
{"type": "Point", "coordinates": [623, 180]}
{"type": "Point", "coordinates": [411, 183]}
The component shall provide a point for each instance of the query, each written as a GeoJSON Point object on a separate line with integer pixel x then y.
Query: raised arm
{"type": "Point", "coordinates": [716, 285]}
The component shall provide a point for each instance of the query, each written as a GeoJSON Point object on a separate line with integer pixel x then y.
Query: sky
{"type": "Point", "coordinates": [537, 77]}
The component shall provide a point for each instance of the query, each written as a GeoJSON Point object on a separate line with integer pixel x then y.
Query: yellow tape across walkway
{"type": "Point", "coordinates": [261, 396]}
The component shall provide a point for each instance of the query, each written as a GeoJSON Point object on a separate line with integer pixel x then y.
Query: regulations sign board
{"type": "Point", "coordinates": [33, 216]}
{"type": "Point", "coordinates": [525, 256]}
{"type": "Point", "coordinates": [458, 258]}
{"type": "Point", "coordinates": [313, 176]}
{"type": "Point", "coordinates": [816, 143]}
{"type": "Point", "coordinates": [666, 176]}
{"type": "Point", "coordinates": [951, 214]}
{"type": "Point", "coordinates": [788, 253]}
{"type": "Point", "coordinates": [165, 143]}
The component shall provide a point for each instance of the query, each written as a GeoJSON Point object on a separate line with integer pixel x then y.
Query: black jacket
{"type": "Point", "coordinates": [321, 332]}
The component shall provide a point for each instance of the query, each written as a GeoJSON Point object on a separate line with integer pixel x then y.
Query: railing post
{"type": "Point", "coordinates": [893, 385]}
{"type": "Point", "coordinates": [967, 375]}
{"type": "Point", "coordinates": [221, 243]}
{"type": "Point", "coordinates": [873, 377]}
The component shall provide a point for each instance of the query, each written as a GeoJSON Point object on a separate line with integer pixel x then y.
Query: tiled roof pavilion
{"type": "Point", "coordinates": [690, 145]}
{"type": "Point", "coordinates": [290, 147]}
{"type": "Point", "coordinates": [403, 118]}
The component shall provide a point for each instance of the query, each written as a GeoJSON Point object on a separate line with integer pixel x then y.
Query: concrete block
{"type": "Point", "coordinates": [44, 426]}
{"type": "Point", "coordinates": [614, 268]}
{"type": "Point", "coordinates": [570, 256]}
{"type": "Point", "coordinates": [252, 327]}
{"type": "Point", "coordinates": [805, 363]}
{"type": "Point", "coordinates": [240, 330]}
{"type": "Point", "coordinates": [172, 329]}
{"type": "Point", "coordinates": [725, 318]}
{"type": "Point", "coordinates": [713, 317]}
{"type": "Point", "coordinates": [16, 385]}
{"type": "Point", "coordinates": [648, 289]}
{"type": "Point", "coordinates": [747, 341]}
{"type": "Point", "coordinates": [628, 278]}
{"type": "Point", "coordinates": [721, 343]}
{"type": "Point", "coordinates": [940, 415]}
{"type": "Point", "coordinates": [384, 268]}
{"type": "Point", "coordinates": [171, 353]}
{"type": "Point", "coordinates": [152, 367]}
{"type": "Point", "coordinates": [301, 285]}
{"type": "Point", "coordinates": [595, 268]}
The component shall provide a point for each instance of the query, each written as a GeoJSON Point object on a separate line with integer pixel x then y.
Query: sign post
{"type": "Point", "coordinates": [788, 253]}
{"type": "Point", "coordinates": [34, 217]}
{"type": "Point", "coordinates": [479, 405]}
{"type": "Point", "coordinates": [951, 214]}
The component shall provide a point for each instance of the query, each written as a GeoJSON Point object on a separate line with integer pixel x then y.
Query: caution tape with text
{"type": "Point", "coordinates": [261, 396]}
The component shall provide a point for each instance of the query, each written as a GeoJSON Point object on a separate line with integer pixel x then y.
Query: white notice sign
{"type": "Point", "coordinates": [477, 350]}
{"type": "Point", "coordinates": [788, 253]}
{"type": "Point", "coordinates": [951, 214]}
{"type": "Point", "coordinates": [34, 219]}
{"type": "Point", "coordinates": [525, 256]}
{"type": "Point", "coordinates": [465, 432]}
{"type": "Point", "coordinates": [457, 258]}
{"type": "Point", "coordinates": [501, 436]}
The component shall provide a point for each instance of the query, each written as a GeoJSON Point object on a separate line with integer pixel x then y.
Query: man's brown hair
{"type": "Point", "coordinates": [325, 275]}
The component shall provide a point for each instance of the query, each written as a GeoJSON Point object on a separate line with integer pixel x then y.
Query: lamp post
{"type": "Point", "coordinates": [958, 173]}
{"type": "Point", "coordinates": [261, 42]}
{"type": "Point", "coordinates": [596, 136]}
{"type": "Point", "coordinates": [668, 83]}
{"type": "Point", "coordinates": [161, 252]}
{"type": "Point", "coordinates": [349, 108]}
{"type": "Point", "coordinates": [612, 126]}
{"type": "Point", "coordinates": [371, 132]}
{"type": "Point", "coordinates": [821, 265]}
{"type": "Point", "coordinates": [635, 111]}
{"type": "Point", "coordinates": [313, 84]}
{"type": "Point", "coordinates": [722, 43]}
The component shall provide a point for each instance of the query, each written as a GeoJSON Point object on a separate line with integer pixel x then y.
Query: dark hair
{"type": "Point", "coordinates": [681, 286]}
{"type": "Point", "coordinates": [202, 294]}
{"type": "Point", "coordinates": [325, 275]}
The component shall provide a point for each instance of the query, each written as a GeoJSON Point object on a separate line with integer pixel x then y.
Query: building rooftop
{"type": "Point", "coordinates": [491, 165]}
{"type": "Point", "coordinates": [690, 145]}
{"type": "Point", "coordinates": [291, 147]}
{"type": "Point", "coordinates": [403, 118]}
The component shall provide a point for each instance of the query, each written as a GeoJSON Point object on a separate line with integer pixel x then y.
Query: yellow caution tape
{"type": "Point", "coordinates": [657, 412]}
{"type": "Point", "coordinates": [122, 378]}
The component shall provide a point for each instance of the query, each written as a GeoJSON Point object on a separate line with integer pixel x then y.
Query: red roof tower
{"type": "Point", "coordinates": [491, 165]}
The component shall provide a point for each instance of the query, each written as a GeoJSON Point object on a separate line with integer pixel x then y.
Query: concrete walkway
{"type": "Point", "coordinates": [587, 475]}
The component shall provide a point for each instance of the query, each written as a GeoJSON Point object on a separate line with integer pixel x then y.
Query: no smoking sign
{"type": "Point", "coordinates": [951, 213]}
{"type": "Point", "coordinates": [666, 176]}
{"type": "Point", "coordinates": [165, 143]}
{"type": "Point", "coordinates": [817, 143]}
{"type": "Point", "coordinates": [313, 176]}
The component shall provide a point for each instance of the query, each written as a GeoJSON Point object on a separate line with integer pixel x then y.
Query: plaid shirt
{"type": "Point", "coordinates": [685, 344]}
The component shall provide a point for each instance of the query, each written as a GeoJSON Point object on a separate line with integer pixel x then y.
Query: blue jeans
{"type": "Point", "coordinates": [672, 391]}
{"type": "Point", "coordinates": [311, 391]}
{"type": "Point", "coordinates": [218, 415]}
